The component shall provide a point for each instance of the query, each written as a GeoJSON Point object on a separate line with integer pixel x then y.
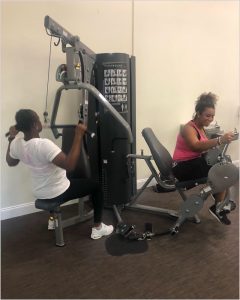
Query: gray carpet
{"type": "Point", "coordinates": [201, 262]}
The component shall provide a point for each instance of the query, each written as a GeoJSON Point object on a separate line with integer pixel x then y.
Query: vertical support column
{"type": "Point", "coordinates": [58, 228]}
{"type": "Point", "coordinates": [115, 79]}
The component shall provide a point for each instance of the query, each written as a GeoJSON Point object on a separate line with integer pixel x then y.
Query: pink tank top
{"type": "Point", "coordinates": [182, 151]}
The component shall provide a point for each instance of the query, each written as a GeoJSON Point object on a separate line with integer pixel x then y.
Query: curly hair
{"type": "Point", "coordinates": [205, 100]}
{"type": "Point", "coordinates": [25, 119]}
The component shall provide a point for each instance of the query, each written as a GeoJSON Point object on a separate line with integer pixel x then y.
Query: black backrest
{"type": "Point", "coordinates": [159, 153]}
{"type": "Point", "coordinates": [83, 166]}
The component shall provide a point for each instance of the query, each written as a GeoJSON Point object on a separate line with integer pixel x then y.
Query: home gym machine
{"type": "Point", "coordinates": [222, 175]}
{"type": "Point", "coordinates": [108, 108]}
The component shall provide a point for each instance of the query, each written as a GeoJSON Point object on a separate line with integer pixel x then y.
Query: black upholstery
{"type": "Point", "coordinates": [164, 161]}
{"type": "Point", "coordinates": [48, 204]}
{"type": "Point", "coordinates": [82, 169]}
{"type": "Point", "coordinates": [190, 183]}
{"type": "Point", "coordinates": [159, 153]}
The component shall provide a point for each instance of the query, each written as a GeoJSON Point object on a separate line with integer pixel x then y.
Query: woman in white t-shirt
{"type": "Point", "coordinates": [48, 166]}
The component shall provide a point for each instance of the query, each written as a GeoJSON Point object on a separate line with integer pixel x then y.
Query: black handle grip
{"type": "Point", "coordinates": [89, 133]}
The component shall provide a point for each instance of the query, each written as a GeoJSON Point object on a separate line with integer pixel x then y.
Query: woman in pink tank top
{"type": "Point", "coordinates": [192, 142]}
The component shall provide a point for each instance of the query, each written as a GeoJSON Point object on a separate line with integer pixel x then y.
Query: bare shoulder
{"type": "Point", "coordinates": [187, 130]}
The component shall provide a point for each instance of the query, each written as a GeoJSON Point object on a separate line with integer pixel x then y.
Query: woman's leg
{"type": "Point", "coordinates": [219, 197]}
{"type": "Point", "coordinates": [197, 168]}
{"type": "Point", "coordinates": [226, 199]}
{"type": "Point", "coordinates": [217, 209]}
{"type": "Point", "coordinates": [191, 169]}
{"type": "Point", "coordinates": [82, 187]}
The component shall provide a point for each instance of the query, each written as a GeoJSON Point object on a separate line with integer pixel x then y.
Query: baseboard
{"type": "Point", "coordinates": [22, 209]}
{"type": "Point", "coordinates": [18, 210]}
{"type": "Point", "coordinates": [236, 162]}
{"type": "Point", "coordinates": [29, 208]}
{"type": "Point", "coordinates": [140, 182]}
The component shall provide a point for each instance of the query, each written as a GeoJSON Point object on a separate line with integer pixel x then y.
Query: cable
{"type": "Point", "coordinates": [133, 27]}
{"type": "Point", "coordinates": [45, 114]}
{"type": "Point", "coordinates": [58, 42]}
{"type": "Point", "coordinates": [50, 34]}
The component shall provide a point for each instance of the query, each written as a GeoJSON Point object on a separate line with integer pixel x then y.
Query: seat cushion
{"type": "Point", "coordinates": [48, 204]}
{"type": "Point", "coordinates": [190, 183]}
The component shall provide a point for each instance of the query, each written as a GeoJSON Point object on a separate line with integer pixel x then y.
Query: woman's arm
{"type": "Point", "coordinates": [11, 161]}
{"type": "Point", "coordinates": [191, 138]}
{"type": "Point", "coordinates": [69, 161]}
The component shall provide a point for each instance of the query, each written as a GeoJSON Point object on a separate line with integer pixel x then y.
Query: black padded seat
{"type": "Point", "coordinates": [48, 204]}
{"type": "Point", "coordinates": [190, 183]}
{"type": "Point", "coordinates": [159, 153]}
{"type": "Point", "coordinates": [164, 161]}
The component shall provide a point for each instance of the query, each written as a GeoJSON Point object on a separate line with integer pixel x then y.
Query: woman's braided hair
{"type": "Point", "coordinates": [25, 119]}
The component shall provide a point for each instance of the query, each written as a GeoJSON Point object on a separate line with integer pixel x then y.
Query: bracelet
{"type": "Point", "coordinates": [219, 141]}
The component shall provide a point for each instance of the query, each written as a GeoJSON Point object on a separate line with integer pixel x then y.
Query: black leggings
{"type": "Point", "coordinates": [81, 187]}
{"type": "Point", "coordinates": [191, 169]}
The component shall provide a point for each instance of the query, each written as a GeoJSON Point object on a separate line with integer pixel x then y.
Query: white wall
{"type": "Point", "coordinates": [104, 26]}
{"type": "Point", "coordinates": [182, 48]}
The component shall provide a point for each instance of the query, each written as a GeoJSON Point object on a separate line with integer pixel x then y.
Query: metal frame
{"type": "Point", "coordinates": [63, 223]}
{"type": "Point", "coordinates": [132, 205]}
{"type": "Point", "coordinates": [147, 208]}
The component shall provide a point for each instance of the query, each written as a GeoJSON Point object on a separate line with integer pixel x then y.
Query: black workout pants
{"type": "Point", "coordinates": [191, 169]}
{"type": "Point", "coordinates": [80, 187]}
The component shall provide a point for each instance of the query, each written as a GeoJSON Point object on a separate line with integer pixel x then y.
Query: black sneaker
{"type": "Point", "coordinates": [230, 206]}
{"type": "Point", "coordinates": [221, 216]}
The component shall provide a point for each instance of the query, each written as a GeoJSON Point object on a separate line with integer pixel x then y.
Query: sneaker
{"type": "Point", "coordinates": [221, 216]}
{"type": "Point", "coordinates": [51, 225]}
{"type": "Point", "coordinates": [230, 206]}
{"type": "Point", "coordinates": [103, 231]}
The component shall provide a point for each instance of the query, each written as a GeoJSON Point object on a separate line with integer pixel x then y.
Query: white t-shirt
{"type": "Point", "coordinates": [48, 180]}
